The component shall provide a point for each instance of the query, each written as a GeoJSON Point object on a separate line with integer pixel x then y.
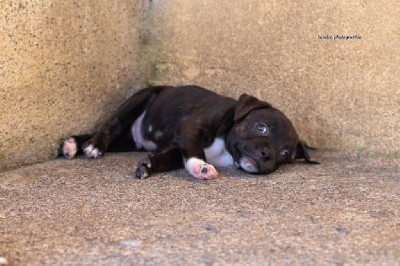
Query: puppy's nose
{"type": "Point", "coordinates": [265, 155]}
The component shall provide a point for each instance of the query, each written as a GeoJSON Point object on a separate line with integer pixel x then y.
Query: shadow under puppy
{"type": "Point", "coordinates": [191, 127]}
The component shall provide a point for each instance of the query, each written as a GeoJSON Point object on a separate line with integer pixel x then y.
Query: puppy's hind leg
{"type": "Point", "coordinates": [124, 117]}
{"type": "Point", "coordinates": [71, 146]}
{"type": "Point", "coordinates": [123, 143]}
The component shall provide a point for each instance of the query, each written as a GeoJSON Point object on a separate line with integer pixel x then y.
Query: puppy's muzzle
{"type": "Point", "coordinates": [257, 160]}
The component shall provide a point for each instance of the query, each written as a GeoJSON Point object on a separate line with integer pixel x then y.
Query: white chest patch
{"type": "Point", "coordinates": [137, 135]}
{"type": "Point", "coordinates": [217, 154]}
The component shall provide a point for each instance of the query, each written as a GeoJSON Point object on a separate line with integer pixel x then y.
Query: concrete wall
{"type": "Point", "coordinates": [63, 66]}
{"type": "Point", "coordinates": [342, 94]}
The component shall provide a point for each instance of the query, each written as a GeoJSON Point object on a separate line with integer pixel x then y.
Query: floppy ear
{"type": "Point", "coordinates": [301, 152]}
{"type": "Point", "coordinates": [246, 104]}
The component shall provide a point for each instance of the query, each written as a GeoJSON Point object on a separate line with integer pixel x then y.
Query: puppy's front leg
{"type": "Point", "coordinates": [167, 160]}
{"type": "Point", "coordinates": [200, 169]}
{"type": "Point", "coordinates": [194, 156]}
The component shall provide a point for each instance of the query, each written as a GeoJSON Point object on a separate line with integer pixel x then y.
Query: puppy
{"type": "Point", "coordinates": [191, 127]}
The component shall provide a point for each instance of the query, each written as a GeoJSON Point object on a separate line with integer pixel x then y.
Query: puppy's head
{"type": "Point", "coordinates": [263, 138]}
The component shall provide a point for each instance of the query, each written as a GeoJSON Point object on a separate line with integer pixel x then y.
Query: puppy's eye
{"type": "Point", "coordinates": [284, 154]}
{"type": "Point", "coordinates": [262, 128]}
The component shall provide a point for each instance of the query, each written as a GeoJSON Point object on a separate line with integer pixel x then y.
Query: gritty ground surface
{"type": "Point", "coordinates": [346, 210]}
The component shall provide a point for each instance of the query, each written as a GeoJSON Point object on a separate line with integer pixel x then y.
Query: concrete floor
{"type": "Point", "coordinates": [344, 211]}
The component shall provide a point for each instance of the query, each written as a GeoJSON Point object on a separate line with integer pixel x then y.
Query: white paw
{"type": "Point", "coordinates": [200, 169]}
{"type": "Point", "coordinates": [92, 152]}
{"type": "Point", "coordinates": [70, 148]}
{"type": "Point", "coordinates": [3, 261]}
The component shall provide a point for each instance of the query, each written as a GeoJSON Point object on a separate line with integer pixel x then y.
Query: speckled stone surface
{"type": "Point", "coordinates": [344, 211]}
{"type": "Point", "coordinates": [339, 93]}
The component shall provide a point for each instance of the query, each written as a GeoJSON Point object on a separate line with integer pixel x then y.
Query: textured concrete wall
{"type": "Point", "coordinates": [63, 65]}
{"type": "Point", "coordinates": [339, 93]}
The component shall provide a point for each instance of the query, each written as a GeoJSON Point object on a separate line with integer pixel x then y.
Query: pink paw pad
{"type": "Point", "coordinates": [200, 169]}
{"type": "Point", "coordinates": [205, 171]}
{"type": "Point", "coordinates": [70, 148]}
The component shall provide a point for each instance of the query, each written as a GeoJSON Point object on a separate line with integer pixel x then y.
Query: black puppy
{"type": "Point", "coordinates": [197, 129]}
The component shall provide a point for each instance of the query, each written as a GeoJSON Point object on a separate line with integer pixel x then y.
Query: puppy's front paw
{"type": "Point", "coordinates": [143, 169]}
{"type": "Point", "coordinates": [200, 169]}
{"type": "Point", "coordinates": [69, 147]}
{"type": "Point", "coordinates": [91, 151]}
